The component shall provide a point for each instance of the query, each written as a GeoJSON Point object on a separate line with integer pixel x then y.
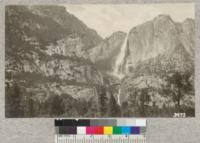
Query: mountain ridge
{"type": "Point", "coordinates": [59, 63]}
{"type": "Point", "coordinates": [146, 46]}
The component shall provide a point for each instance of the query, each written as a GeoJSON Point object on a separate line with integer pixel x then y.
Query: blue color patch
{"type": "Point", "coordinates": [135, 130]}
{"type": "Point", "coordinates": [126, 130]}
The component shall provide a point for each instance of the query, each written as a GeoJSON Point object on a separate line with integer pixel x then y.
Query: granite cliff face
{"type": "Point", "coordinates": [161, 36]}
{"type": "Point", "coordinates": [105, 53]}
{"type": "Point", "coordinates": [47, 55]}
{"type": "Point", "coordinates": [57, 66]}
{"type": "Point", "coordinates": [69, 22]}
{"type": "Point", "coordinates": [160, 54]}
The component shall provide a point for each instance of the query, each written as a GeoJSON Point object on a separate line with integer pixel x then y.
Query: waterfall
{"type": "Point", "coordinates": [118, 96]}
{"type": "Point", "coordinates": [118, 68]}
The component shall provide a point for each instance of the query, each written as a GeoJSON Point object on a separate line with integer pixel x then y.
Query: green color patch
{"type": "Point", "coordinates": [117, 130]}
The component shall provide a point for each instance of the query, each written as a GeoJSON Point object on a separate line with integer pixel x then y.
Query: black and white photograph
{"type": "Point", "coordinates": [100, 60]}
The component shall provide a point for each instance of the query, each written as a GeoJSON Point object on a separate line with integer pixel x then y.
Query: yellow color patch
{"type": "Point", "coordinates": [108, 130]}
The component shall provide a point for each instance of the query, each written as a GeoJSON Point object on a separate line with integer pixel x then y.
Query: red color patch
{"type": "Point", "coordinates": [98, 130]}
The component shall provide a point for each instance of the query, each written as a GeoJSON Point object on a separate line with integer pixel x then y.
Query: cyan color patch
{"type": "Point", "coordinates": [126, 130]}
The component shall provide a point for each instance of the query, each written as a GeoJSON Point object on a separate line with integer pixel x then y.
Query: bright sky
{"type": "Point", "coordinates": [106, 19]}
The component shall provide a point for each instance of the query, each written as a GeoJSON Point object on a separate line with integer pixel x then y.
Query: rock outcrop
{"type": "Point", "coordinates": [57, 66]}
{"type": "Point", "coordinates": [104, 54]}
{"type": "Point", "coordinates": [47, 56]}
{"type": "Point", "coordinates": [160, 36]}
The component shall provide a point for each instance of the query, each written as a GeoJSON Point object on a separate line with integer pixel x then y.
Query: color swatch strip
{"type": "Point", "coordinates": [101, 130]}
{"type": "Point", "coordinates": [101, 122]}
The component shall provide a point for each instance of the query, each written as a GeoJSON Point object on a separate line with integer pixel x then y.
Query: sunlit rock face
{"type": "Point", "coordinates": [161, 36]}
{"type": "Point", "coordinates": [54, 59]}
{"type": "Point", "coordinates": [105, 54]}
{"type": "Point", "coordinates": [120, 53]}
{"type": "Point", "coordinates": [157, 50]}
{"type": "Point", "coordinates": [51, 53]}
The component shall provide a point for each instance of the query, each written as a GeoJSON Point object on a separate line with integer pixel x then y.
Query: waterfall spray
{"type": "Point", "coordinates": [118, 68]}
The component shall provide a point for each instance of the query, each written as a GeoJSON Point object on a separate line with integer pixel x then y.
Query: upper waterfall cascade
{"type": "Point", "coordinates": [118, 68]}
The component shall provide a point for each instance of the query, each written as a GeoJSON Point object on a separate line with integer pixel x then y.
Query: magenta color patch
{"type": "Point", "coordinates": [89, 130]}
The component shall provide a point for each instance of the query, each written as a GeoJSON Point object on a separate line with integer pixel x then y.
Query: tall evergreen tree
{"type": "Point", "coordinates": [102, 99]}
{"type": "Point", "coordinates": [144, 100]}
{"type": "Point", "coordinates": [114, 109]}
{"type": "Point", "coordinates": [14, 101]}
{"type": "Point", "coordinates": [178, 84]}
{"type": "Point", "coordinates": [31, 110]}
{"type": "Point", "coordinates": [57, 107]}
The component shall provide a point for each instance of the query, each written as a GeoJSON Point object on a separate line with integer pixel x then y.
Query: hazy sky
{"type": "Point", "coordinates": [106, 19]}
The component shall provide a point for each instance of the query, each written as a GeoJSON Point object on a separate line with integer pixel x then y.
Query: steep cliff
{"type": "Point", "coordinates": [160, 36]}
{"type": "Point", "coordinates": [57, 66]}
{"type": "Point", "coordinates": [104, 54]}
{"type": "Point", "coordinates": [159, 59]}
{"type": "Point", "coordinates": [47, 56]}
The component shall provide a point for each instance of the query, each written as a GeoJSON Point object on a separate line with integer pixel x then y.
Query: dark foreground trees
{"type": "Point", "coordinates": [178, 85]}
{"type": "Point", "coordinates": [13, 101]}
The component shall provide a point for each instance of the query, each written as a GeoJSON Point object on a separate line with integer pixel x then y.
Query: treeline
{"type": "Point", "coordinates": [20, 103]}
{"type": "Point", "coordinates": [177, 87]}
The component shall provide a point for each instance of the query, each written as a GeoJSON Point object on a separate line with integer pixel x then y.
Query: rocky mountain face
{"type": "Point", "coordinates": [161, 36]}
{"type": "Point", "coordinates": [57, 66]}
{"type": "Point", "coordinates": [105, 53]}
{"type": "Point", "coordinates": [160, 54]}
{"type": "Point", "coordinates": [69, 22]}
{"type": "Point", "coordinates": [154, 54]}
{"type": "Point", "coordinates": [47, 56]}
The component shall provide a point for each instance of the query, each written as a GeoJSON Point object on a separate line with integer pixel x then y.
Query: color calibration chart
{"type": "Point", "coordinates": [100, 131]}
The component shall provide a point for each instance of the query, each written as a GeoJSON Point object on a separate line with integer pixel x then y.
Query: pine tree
{"type": "Point", "coordinates": [102, 99]}
{"type": "Point", "coordinates": [114, 109]}
{"type": "Point", "coordinates": [14, 100]}
{"type": "Point", "coordinates": [31, 110]}
{"type": "Point", "coordinates": [57, 107]}
{"type": "Point", "coordinates": [177, 86]}
{"type": "Point", "coordinates": [144, 100]}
